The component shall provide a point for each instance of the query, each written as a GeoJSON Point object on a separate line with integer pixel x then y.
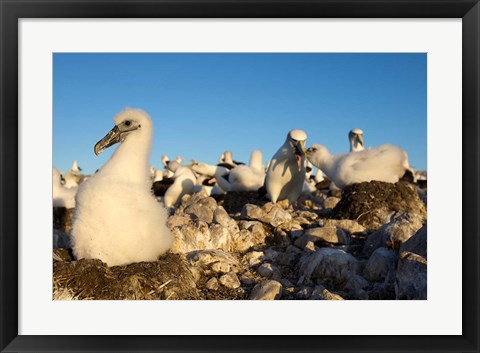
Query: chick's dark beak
{"type": "Point", "coordinates": [110, 139]}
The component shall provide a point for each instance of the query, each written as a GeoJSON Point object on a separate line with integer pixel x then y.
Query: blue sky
{"type": "Point", "coordinates": [204, 104]}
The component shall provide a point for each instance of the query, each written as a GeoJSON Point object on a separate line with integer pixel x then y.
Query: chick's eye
{"type": "Point", "coordinates": [128, 122]}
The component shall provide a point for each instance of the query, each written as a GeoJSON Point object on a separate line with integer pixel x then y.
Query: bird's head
{"type": "Point", "coordinates": [316, 153]}
{"type": "Point", "coordinates": [200, 168]}
{"type": "Point", "coordinates": [297, 139]}
{"type": "Point", "coordinates": [355, 136]}
{"type": "Point", "coordinates": [173, 166]}
{"type": "Point", "coordinates": [128, 122]}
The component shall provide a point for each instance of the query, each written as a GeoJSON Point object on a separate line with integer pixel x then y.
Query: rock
{"type": "Point", "coordinates": [167, 278]}
{"type": "Point", "coordinates": [253, 258]}
{"type": "Point", "coordinates": [266, 290]}
{"type": "Point", "coordinates": [355, 283]}
{"type": "Point", "coordinates": [287, 284]}
{"type": "Point", "coordinates": [394, 233]}
{"type": "Point", "coordinates": [220, 267]}
{"type": "Point", "coordinates": [271, 254]}
{"type": "Point", "coordinates": [324, 234]}
{"type": "Point", "coordinates": [359, 294]}
{"type": "Point", "coordinates": [373, 203]}
{"type": "Point", "coordinates": [327, 263]}
{"type": "Point", "coordinates": [269, 213]}
{"type": "Point", "coordinates": [380, 265]}
{"type": "Point", "coordinates": [61, 239]}
{"type": "Point", "coordinates": [199, 235]}
{"type": "Point", "coordinates": [304, 293]}
{"type": "Point", "coordinates": [310, 247]}
{"type": "Point", "coordinates": [321, 293]}
{"type": "Point", "coordinates": [278, 217]}
{"type": "Point", "coordinates": [417, 243]}
{"type": "Point", "coordinates": [285, 258]}
{"type": "Point", "coordinates": [293, 249]}
{"type": "Point", "coordinates": [253, 212]}
{"type": "Point", "coordinates": [331, 202]}
{"type": "Point", "coordinates": [247, 279]}
{"type": "Point", "coordinates": [221, 217]}
{"type": "Point", "coordinates": [304, 217]}
{"type": "Point", "coordinates": [191, 237]}
{"type": "Point", "coordinates": [202, 209]}
{"type": "Point", "coordinates": [347, 225]}
{"type": "Point", "coordinates": [382, 291]}
{"type": "Point", "coordinates": [219, 237]}
{"type": "Point", "coordinates": [230, 280]}
{"type": "Point", "coordinates": [267, 270]}
{"type": "Point", "coordinates": [216, 260]}
{"type": "Point", "coordinates": [178, 220]}
{"type": "Point", "coordinates": [62, 219]}
{"type": "Point", "coordinates": [243, 241]}
{"type": "Point", "coordinates": [212, 284]}
{"type": "Point", "coordinates": [257, 231]}
{"type": "Point", "coordinates": [411, 279]}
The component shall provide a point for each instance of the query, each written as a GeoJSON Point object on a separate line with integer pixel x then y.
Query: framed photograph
{"type": "Point", "coordinates": [265, 176]}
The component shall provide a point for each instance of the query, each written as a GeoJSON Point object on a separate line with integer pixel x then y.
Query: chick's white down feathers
{"type": "Point", "coordinates": [386, 163]}
{"type": "Point", "coordinates": [117, 219]}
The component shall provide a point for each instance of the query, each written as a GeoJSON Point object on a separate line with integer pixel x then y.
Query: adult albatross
{"type": "Point", "coordinates": [286, 171]}
{"type": "Point", "coordinates": [355, 137]}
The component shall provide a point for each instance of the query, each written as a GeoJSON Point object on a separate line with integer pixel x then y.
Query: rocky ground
{"type": "Point", "coordinates": [368, 243]}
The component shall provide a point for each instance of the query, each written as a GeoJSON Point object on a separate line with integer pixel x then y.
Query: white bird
{"type": "Point", "coordinates": [386, 163]}
{"type": "Point", "coordinates": [62, 196]}
{"type": "Point", "coordinates": [74, 177]}
{"type": "Point", "coordinates": [165, 160]}
{"type": "Point", "coordinates": [184, 182]}
{"type": "Point", "coordinates": [286, 172]}
{"type": "Point", "coordinates": [355, 137]}
{"type": "Point", "coordinates": [249, 177]}
{"type": "Point", "coordinates": [213, 171]}
{"type": "Point", "coordinates": [156, 174]}
{"type": "Point", "coordinates": [76, 168]}
{"type": "Point", "coordinates": [309, 183]}
{"type": "Point", "coordinates": [117, 219]}
{"type": "Point", "coordinates": [226, 160]}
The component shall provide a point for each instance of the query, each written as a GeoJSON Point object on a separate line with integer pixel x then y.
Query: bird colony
{"type": "Point", "coordinates": [304, 224]}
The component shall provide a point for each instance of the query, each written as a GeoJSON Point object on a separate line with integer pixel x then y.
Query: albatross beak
{"type": "Point", "coordinates": [300, 153]}
{"type": "Point", "coordinates": [360, 139]}
{"type": "Point", "coordinates": [301, 148]}
{"type": "Point", "coordinates": [110, 139]}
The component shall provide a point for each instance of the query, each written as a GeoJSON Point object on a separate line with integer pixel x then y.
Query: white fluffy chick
{"type": "Point", "coordinates": [117, 219]}
{"type": "Point", "coordinates": [386, 163]}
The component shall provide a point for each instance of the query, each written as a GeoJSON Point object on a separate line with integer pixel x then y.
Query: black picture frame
{"type": "Point", "coordinates": [11, 11]}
